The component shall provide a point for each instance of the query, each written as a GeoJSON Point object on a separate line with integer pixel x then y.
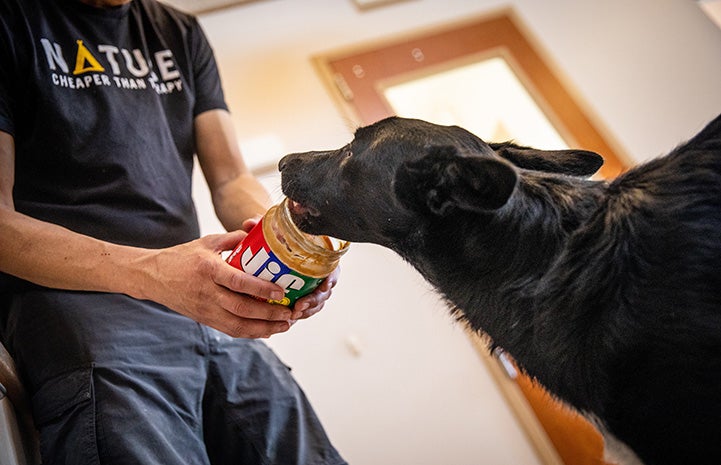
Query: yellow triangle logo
{"type": "Point", "coordinates": [85, 61]}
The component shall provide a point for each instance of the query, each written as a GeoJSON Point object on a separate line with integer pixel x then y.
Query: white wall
{"type": "Point", "coordinates": [416, 393]}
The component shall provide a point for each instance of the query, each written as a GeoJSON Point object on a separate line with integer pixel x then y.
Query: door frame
{"type": "Point", "coordinates": [356, 76]}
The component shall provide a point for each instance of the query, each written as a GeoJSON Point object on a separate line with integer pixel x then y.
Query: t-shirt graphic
{"type": "Point", "coordinates": [123, 68]}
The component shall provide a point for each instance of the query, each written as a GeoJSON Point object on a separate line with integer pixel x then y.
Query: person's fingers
{"type": "Point", "coordinates": [222, 242]}
{"type": "Point", "coordinates": [246, 306]}
{"type": "Point", "coordinates": [311, 304]}
{"type": "Point", "coordinates": [248, 327]}
{"type": "Point", "coordinates": [239, 281]}
{"type": "Point", "coordinates": [250, 223]}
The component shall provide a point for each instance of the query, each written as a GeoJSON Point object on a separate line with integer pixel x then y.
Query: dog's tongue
{"type": "Point", "coordinates": [299, 209]}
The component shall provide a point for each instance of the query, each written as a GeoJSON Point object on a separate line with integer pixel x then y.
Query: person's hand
{"type": "Point", "coordinates": [313, 303]}
{"type": "Point", "coordinates": [194, 280]}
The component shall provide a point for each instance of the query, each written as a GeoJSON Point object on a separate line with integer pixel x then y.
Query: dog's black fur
{"type": "Point", "coordinates": [607, 293]}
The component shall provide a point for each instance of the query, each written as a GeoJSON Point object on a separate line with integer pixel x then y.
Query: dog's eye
{"type": "Point", "coordinates": [345, 154]}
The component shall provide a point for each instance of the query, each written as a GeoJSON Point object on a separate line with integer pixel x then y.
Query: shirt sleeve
{"type": "Point", "coordinates": [7, 66]}
{"type": "Point", "coordinates": [208, 88]}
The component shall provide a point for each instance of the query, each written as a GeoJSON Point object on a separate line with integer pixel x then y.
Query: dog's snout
{"type": "Point", "coordinates": [285, 162]}
{"type": "Point", "coordinates": [294, 161]}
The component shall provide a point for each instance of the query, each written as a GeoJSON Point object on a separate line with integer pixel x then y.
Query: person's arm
{"type": "Point", "coordinates": [236, 193]}
{"type": "Point", "coordinates": [190, 278]}
{"type": "Point", "coordinates": [238, 197]}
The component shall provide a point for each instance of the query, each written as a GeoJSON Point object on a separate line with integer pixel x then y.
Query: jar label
{"type": "Point", "coordinates": [254, 256]}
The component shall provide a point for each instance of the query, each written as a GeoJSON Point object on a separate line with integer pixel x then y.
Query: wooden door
{"type": "Point", "coordinates": [361, 80]}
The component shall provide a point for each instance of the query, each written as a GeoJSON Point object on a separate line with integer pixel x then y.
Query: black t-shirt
{"type": "Point", "coordinates": [101, 105]}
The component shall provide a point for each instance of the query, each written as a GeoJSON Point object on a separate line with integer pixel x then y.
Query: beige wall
{"type": "Point", "coordinates": [394, 380]}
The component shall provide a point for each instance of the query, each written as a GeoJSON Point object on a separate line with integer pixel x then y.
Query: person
{"type": "Point", "coordinates": [136, 341]}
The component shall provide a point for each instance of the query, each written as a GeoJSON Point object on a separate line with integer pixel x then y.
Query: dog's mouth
{"type": "Point", "coordinates": [302, 214]}
{"type": "Point", "coordinates": [301, 210]}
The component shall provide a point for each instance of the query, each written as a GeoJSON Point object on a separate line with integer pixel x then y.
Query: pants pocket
{"type": "Point", "coordinates": [64, 411]}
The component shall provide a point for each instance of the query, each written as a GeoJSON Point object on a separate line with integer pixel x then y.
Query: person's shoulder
{"type": "Point", "coordinates": [160, 11]}
{"type": "Point", "coordinates": [13, 9]}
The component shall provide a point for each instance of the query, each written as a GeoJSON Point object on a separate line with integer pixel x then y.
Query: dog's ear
{"type": "Point", "coordinates": [445, 179]}
{"type": "Point", "coordinates": [571, 162]}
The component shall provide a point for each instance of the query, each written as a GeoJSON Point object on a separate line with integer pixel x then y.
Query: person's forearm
{"type": "Point", "coordinates": [52, 256]}
{"type": "Point", "coordinates": [237, 194]}
{"type": "Point", "coordinates": [189, 278]}
{"type": "Point", "coordinates": [239, 199]}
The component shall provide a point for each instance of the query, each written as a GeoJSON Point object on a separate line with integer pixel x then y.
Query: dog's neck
{"type": "Point", "coordinates": [489, 266]}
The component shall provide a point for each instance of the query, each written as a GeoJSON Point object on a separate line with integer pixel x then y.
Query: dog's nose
{"type": "Point", "coordinates": [284, 162]}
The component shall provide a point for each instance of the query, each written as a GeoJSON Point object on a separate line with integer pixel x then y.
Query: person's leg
{"type": "Point", "coordinates": [254, 412]}
{"type": "Point", "coordinates": [113, 380]}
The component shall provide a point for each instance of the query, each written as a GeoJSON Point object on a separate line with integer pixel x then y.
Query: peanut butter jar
{"type": "Point", "coordinates": [277, 251]}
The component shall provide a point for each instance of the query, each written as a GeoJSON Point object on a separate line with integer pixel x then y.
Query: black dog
{"type": "Point", "coordinates": [607, 293]}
